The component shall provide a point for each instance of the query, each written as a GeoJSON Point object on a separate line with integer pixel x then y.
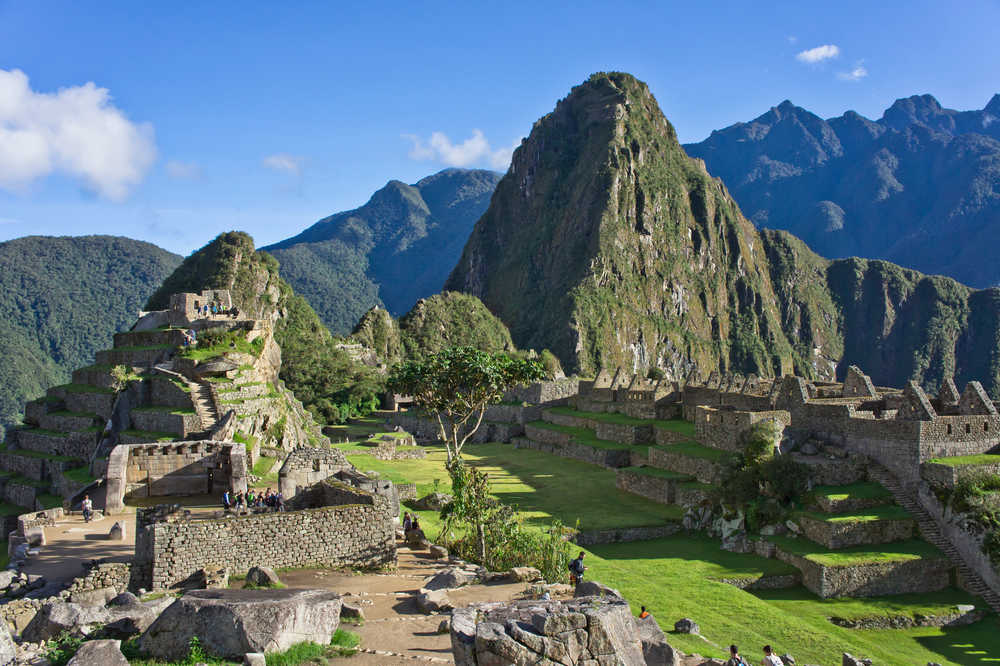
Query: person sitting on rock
{"type": "Point", "coordinates": [407, 523]}
{"type": "Point", "coordinates": [771, 659]}
{"type": "Point", "coordinates": [88, 508]}
{"type": "Point", "coordinates": [734, 658]}
{"type": "Point", "coordinates": [643, 613]}
{"type": "Point", "coordinates": [576, 570]}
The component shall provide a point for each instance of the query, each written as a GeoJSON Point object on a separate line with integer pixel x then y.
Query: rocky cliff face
{"type": "Point", "coordinates": [607, 244]}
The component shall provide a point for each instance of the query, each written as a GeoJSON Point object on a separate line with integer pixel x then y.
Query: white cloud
{"type": "Point", "coordinates": [856, 74]}
{"type": "Point", "coordinates": [284, 162]}
{"type": "Point", "coordinates": [77, 131]}
{"type": "Point", "coordinates": [818, 54]}
{"type": "Point", "coordinates": [474, 150]}
{"type": "Point", "coordinates": [183, 170]}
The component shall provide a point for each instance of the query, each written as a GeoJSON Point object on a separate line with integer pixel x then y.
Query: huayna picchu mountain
{"type": "Point", "coordinates": [610, 246]}
{"type": "Point", "coordinates": [393, 251]}
{"type": "Point", "coordinates": [919, 187]}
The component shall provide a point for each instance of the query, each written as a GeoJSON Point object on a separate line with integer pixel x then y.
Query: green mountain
{"type": "Point", "coordinates": [314, 366]}
{"type": "Point", "coordinates": [919, 187]}
{"type": "Point", "coordinates": [610, 246]}
{"type": "Point", "coordinates": [391, 252]}
{"type": "Point", "coordinates": [61, 300]}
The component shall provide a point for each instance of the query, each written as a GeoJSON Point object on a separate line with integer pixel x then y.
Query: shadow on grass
{"type": "Point", "coordinates": [975, 644]}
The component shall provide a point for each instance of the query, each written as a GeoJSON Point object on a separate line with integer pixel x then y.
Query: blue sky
{"type": "Point", "coordinates": [176, 121]}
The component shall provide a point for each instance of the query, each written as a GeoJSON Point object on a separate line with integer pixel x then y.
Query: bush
{"type": "Point", "coordinates": [553, 368]}
{"type": "Point", "coordinates": [62, 649]}
{"type": "Point", "coordinates": [655, 374]}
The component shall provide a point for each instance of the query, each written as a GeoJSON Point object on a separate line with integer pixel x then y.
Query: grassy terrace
{"type": "Point", "coordinates": [138, 348]}
{"type": "Point", "coordinates": [542, 485]}
{"type": "Point", "coordinates": [657, 473]}
{"type": "Point", "coordinates": [582, 436]}
{"type": "Point", "coordinates": [963, 461]}
{"type": "Point", "coordinates": [676, 425]}
{"type": "Point", "coordinates": [24, 453]}
{"type": "Point", "coordinates": [83, 388]}
{"type": "Point", "coordinates": [860, 490]}
{"type": "Point", "coordinates": [81, 415]}
{"type": "Point", "coordinates": [80, 475]}
{"type": "Point", "coordinates": [693, 450]}
{"type": "Point", "coordinates": [165, 410]}
{"type": "Point", "coordinates": [152, 435]}
{"type": "Point", "coordinates": [886, 512]}
{"type": "Point", "coordinates": [47, 432]}
{"type": "Point", "coordinates": [679, 576]}
{"type": "Point", "coordinates": [901, 551]}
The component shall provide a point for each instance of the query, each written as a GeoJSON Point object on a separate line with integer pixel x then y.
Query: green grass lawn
{"type": "Point", "coordinates": [166, 410]}
{"type": "Point", "coordinates": [675, 578]}
{"type": "Point", "coordinates": [884, 512]}
{"type": "Point", "coordinates": [542, 485]}
{"type": "Point", "coordinates": [658, 473]}
{"type": "Point", "coordinates": [860, 490]}
{"type": "Point", "coordinates": [582, 436]}
{"type": "Point", "coordinates": [900, 551]}
{"type": "Point", "coordinates": [962, 461]}
{"type": "Point", "coordinates": [676, 425]}
{"type": "Point", "coordinates": [152, 435]}
{"type": "Point", "coordinates": [694, 450]}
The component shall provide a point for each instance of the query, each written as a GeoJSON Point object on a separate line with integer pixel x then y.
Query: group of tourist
{"type": "Point", "coordinates": [253, 501]}
{"type": "Point", "coordinates": [410, 523]}
{"type": "Point", "coordinates": [190, 338]}
{"type": "Point", "coordinates": [215, 308]}
{"type": "Point", "coordinates": [770, 659]}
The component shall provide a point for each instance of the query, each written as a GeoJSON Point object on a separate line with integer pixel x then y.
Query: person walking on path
{"type": "Point", "coordinates": [88, 508]}
{"type": "Point", "coordinates": [576, 570]}
{"type": "Point", "coordinates": [226, 503]}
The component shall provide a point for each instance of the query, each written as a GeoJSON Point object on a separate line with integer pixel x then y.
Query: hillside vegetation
{"type": "Point", "coordinates": [610, 246]}
{"type": "Point", "coordinates": [61, 299]}
{"type": "Point", "coordinates": [390, 252]}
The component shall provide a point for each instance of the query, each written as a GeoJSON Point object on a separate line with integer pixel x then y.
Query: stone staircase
{"type": "Point", "coordinates": [204, 405]}
{"type": "Point", "coordinates": [929, 530]}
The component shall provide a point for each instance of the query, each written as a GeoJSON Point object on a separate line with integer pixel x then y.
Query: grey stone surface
{"type": "Point", "coordinates": [432, 502]}
{"type": "Point", "coordinates": [587, 630]}
{"type": "Point", "coordinates": [106, 652]}
{"type": "Point", "coordinates": [8, 652]}
{"type": "Point", "coordinates": [351, 611]}
{"type": "Point", "coordinates": [655, 648]}
{"type": "Point", "coordinates": [449, 579]}
{"type": "Point", "coordinates": [438, 552]}
{"type": "Point", "coordinates": [254, 659]}
{"type": "Point", "coordinates": [686, 626]}
{"type": "Point", "coordinates": [263, 577]}
{"type": "Point", "coordinates": [434, 601]}
{"type": "Point", "coordinates": [524, 575]}
{"type": "Point", "coordinates": [591, 588]}
{"type": "Point", "coordinates": [231, 623]}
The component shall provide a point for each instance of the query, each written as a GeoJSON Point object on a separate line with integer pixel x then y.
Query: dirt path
{"type": "Point", "coordinates": [394, 629]}
{"type": "Point", "coordinates": [71, 542]}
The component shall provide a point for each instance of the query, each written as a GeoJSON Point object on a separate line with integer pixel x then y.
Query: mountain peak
{"type": "Point", "coordinates": [994, 105]}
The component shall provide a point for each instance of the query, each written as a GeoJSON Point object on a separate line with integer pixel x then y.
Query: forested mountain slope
{"type": "Point", "coordinates": [61, 299]}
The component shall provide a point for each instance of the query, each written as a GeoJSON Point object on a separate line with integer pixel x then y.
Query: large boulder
{"type": "Point", "coordinates": [104, 652]}
{"type": "Point", "coordinates": [591, 588]}
{"type": "Point", "coordinates": [263, 577]}
{"type": "Point", "coordinates": [655, 648]}
{"type": "Point", "coordinates": [432, 502]}
{"type": "Point", "coordinates": [57, 617]}
{"type": "Point", "coordinates": [434, 601]}
{"type": "Point", "coordinates": [449, 579]}
{"type": "Point", "coordinates": [524, 575]}
{"type": "Point", "coordinates": [231, 623]}
{"type": "Point", "coordinates": [8, 652]}
{"type": "Point", "coordinates": [582, 630]}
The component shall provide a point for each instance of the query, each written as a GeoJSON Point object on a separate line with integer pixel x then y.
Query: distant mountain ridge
{"type": "Point", "coordinates": [61, 299]}
{"type": "Point", "coordinates": [919, 187]}
{"type": "Point", "coordinates": [394, 250]}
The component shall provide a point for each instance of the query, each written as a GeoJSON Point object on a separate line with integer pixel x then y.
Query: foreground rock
{"type": "Point", "coordinates": [8, 652]}
{"type": "Point", "coordinates": [103, 652]}
{"type": "Point", "coordinates": [263, 577]}
{"type": "Point", "coordinates": [449, 579]}
{"type": "Point", "coordinates": [434, 601]}
{"type": "Point", "coordinates": [432, 502]}
{"type": "Point", "coordinates": [580, 630]}
{"type": "Point", "coordinates": [655, 649]}
{"type": "Point", "coordinates": [591, 588]}
{"type": "Point", "coordinates": [121, 619]}
{"type": "Point", "coordinates": [231, 623]}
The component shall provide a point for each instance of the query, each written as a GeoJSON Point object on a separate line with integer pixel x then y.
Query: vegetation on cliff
{"type": "Point", "coordinates": [329, 383]}
{"type": "Point", "coordinates": [608, 245]}
{"type": "Point", "coordinates": [61, 299]}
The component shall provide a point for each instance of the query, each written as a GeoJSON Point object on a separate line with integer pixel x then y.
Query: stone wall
{"type": "Point", "coordinates": [545, 393]}
{"type": "Point", "coordinates": [846, 534]}
{"type": "Point", "coordinates": [179, 468]}
{"type": "Point", "coordinates": [651, 487]}
{"type": "Point", "coordinates": [946, 476]}
{"type": "Point", "coordinates": [625, 434]}
{"type": "Point", "coordinates": [625, 534]}
{"type": "Point", "coordinates": [702, 469]}
{"type": "Point", "coordinates": [871, 580]}
{"type": "Point", "coordinates": [611, 458]}
{"type": "Point", "coordinates": [306, 466]}
{"type": "Point", "coordinates": [665, 436]}
{"type": "Point", "coordinates": [164, 392]}
{"type": "Point", "coordinates": [722, 428]}
{"type": "Point", "coordinates": [352, 535]}
{"type": "Point", "coordinates": [163, 421]}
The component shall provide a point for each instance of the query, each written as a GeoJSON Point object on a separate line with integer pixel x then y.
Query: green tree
{"type": "Point", "coordinates": [457, 384]}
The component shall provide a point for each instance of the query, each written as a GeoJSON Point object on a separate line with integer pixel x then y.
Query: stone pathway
{"type": "Point", "coordinates": [71, 542]}
{"type": "Point", "coordinates": [395, 632]}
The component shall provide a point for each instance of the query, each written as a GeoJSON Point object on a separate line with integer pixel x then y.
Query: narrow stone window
{"type": "Point", "coordinates": [986, 426]}
{"type": "Point", "coordinates": [316, 465]}
{"type": "Point", "coordinates": [968, 428]}
{"type": "Point", "coordinates": [949, 428]}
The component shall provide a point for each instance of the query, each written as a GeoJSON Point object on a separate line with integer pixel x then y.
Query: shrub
{"type": "Point", "coordinates": [62, 649]}
{"type": "Point", "coordinates": [655, 373]}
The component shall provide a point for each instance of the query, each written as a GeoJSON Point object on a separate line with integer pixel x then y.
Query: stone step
{"type": "Point", "coordinates": [66, 421]}
{"type": "Point", "coordinates": [871, 527]}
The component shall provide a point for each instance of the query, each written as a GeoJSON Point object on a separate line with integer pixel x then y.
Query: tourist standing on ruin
{"type": "Point", "coordinates": [88, 508]}
{"type": "Point", "coordinates": [225, 501]}
{"type": "Point", "coordinates": [576, 570]}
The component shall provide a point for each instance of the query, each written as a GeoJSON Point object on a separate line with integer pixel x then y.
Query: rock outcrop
{"type": "Point", "coordinates": [231, 623]}
{"type": "Point", "coordinates": [562, 632]}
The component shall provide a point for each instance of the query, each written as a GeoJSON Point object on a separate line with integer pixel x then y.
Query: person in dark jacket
{"type": "Point", "coordinates": [576, 570]}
